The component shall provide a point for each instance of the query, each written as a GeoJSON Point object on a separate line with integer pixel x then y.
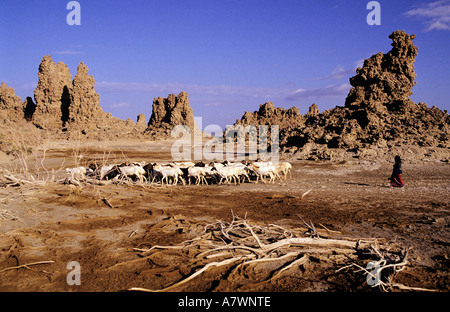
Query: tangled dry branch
{"type": "Point", "coordinates": [27, 266]}
{"type": "Point", "coordinates": [382, 271]}
{"type": "Point", "coordinates": [237, 245]}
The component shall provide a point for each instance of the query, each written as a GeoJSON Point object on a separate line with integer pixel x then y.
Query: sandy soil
{"type": "Point", "coordinates": [64, 223]}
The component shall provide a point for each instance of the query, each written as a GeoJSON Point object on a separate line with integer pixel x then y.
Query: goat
{"type": "Point", "coordinates": [211, 174]}
{"type": "Point", "coordinates": [241, 169]}
{"type": "Point", "coordinates": [266, 170]}
{"type": "Point", "coordinates": [148, 170]}
{"type": "Point", "coordinates": [263, 163]}
{"type": "Point", "coordinates": [109, 172]}
{"type": "Point", "coordinates": [216, 165]}
{"type": "Point", "coordinates": [284, 168]}
{"type": "Point", "coordinates": [94, 167]}
{"type": "Point", "coordinates": [184, 165]}
{"type": "Point", "coordinates": [152, 173]}
{"type": "Point", "coordinates": [167, 172]}
{"type": "Point", "coordinates": [200, 164]}
{"type": "Point", "coordinates": [228, 173]}
{"type": "Point", "coordinates": [198, 173]}
{"type": "Point", "coordinates": [77, 173]}
{"type": "Point", "coordinates": [133, 171]}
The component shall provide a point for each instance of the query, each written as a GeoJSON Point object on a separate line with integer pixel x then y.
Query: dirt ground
{"type": "Point", "coordinates": [63, 223]}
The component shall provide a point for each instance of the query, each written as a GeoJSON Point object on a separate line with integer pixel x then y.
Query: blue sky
{"type": "Point", "coordinates": [230, 56]}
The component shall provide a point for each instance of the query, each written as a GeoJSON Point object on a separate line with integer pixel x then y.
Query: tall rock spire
{"type": "Point", "coordinates": [52, 94]}
{"type": "Point", "coordinates": [170, 112]}
{"type": "Point", "coordinates": [85, 101]}
{"type": "Point", "coordinates": [385, 81]}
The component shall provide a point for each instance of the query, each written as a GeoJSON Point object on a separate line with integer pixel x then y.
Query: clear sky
{"type": "Point", "coordinates": [229, 55]}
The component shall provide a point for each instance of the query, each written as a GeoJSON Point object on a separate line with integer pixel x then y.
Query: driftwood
{"type": "Point", "coordinates": [27, 266]}
{"type": "Point", "coordinates": [382, 271]}
{"type": "Point", "coordinates": [11, 180]}
{"type": "Point", "coordinates": [306, 193]}
{"type": "Point", "coordinates": [403, 287]}
{"type": "Point", "coordinates": [238, 245]}
{"type": "Point", "coordinates": [107, 203]}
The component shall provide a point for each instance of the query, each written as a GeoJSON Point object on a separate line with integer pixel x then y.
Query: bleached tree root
{"type": "Point", "coordinates": [27, 266]}
{"type": "Point", "coordinates": [239, 246]}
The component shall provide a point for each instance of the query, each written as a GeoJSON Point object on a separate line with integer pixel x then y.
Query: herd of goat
{"type": "Point", "coordinates": [186, 172]}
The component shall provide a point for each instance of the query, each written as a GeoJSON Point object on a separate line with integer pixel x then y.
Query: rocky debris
{"type": "Point", "coordinates": [267, 115]}
{"type": "Point", "coordinates": [85, 113]}
{"type": "Point", "coordinates": [378, 112]}
{"type": "Point", "coordinates": [52, 94]}
{"type": "Point", "coordinates": [168, 113]}
{"type": "Point", "coordinates": [130, 123]}
{"type": "Point", "coordinates": [17, 136]}
{"type": "Point", "coordinates": [11, 106]}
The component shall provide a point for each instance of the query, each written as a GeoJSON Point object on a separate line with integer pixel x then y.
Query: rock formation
{"type": "Point", "coordinates": [71, 106]}
{"type": "Point", "coordinates": [378, 113]}
{"type": "Point", "coordinates": [11, 106]}
{"type": "Point", "coordinates": [141, 123]}
{"type": "Point", "coordinates": [385, 81]}
{"type": "Point", "coordinates": [269, 115]}
{"type": "Point", "coordinates": [84, 106]}
{"type": "Point", "coordinates": [313, 111]}
{"type": "Point", "coordinates": [52, 94]}
{"type": "Point", "coordinates": [170, 112]}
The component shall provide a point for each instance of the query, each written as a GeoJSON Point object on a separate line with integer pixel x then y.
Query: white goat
{"type": "Point", "coordinates": [133, 171]}
{"type": "Point", "coordinates": [198, 173]}
{"type": "Point", "coordinates": [216, 165]}
{"type": "Point", "coordinates": [77, 173]}
{"type": "Point", "coordinates": [263, 171]}
{"type": "Point", "coordinates": [229, 173]}
{"type": "Point", "coordinates": [167, 171]}
{"type": "Point", "coordinates": [284, 168]}
{"type": "Point", "coordinates": [104, 170]}
{"type": "Point", "coordinates": [184, 165]}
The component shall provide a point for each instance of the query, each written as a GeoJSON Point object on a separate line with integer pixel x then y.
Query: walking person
{"type": "Point", "coordinates": [396, 179]}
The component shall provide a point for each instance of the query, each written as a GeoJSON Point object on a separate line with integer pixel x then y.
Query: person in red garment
{"type": "Point", "coordinates": [396, 179]}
